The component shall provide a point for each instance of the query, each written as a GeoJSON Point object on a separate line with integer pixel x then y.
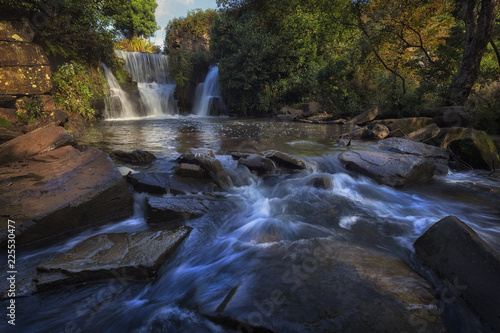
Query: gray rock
{"type": "Point", "coordinates": [398, 162]}
{"type": "Point", "coordinates": [206, 159]}
{"type": "Point", "coordinates": [153, 183]}
{"type": "Point", "coordinates": [454, 252]}
{"type": "Point", "coordinates": [190, 170]}
{"type": "Point", "coordinates": [181, 208]}
{"type": "Point", "coordinates": [137, 255]}
{"type": "Point", "coordinates": [325, 285]}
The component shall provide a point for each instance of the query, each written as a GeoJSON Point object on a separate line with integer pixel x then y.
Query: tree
{"type": "Point", "coordinates": [133, 18]}
{"type": "Point", "coordinates": [479, 17]}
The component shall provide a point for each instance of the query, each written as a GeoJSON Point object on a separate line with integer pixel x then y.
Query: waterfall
{"type": "Point", "coordinates": [208, 100]}
{"type": "Point", "coordinates": [156, 87]}
{"type": "Point", "coordinates": [118, 102]}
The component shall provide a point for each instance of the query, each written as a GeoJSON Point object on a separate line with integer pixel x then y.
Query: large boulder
{"type": "Point", "coordinates": [61, 191]}
{"type": "Point", "coordinates": [447, 135]}
{"type": "Point", "coordinates": [424, 134]}
{"type": "Point", "coordinates": [398, 162]}
{"type": "Point", "coordinates": [454, 252]}
{"type": "Point", "coordinates": [404, 126]}
{"type": "Point", "coordinates": [137, 255]}
{"type": "Point", "coordinates": [476, 149]}
{"type": "Point", "coordinates": [38, 141]}
{"type": "Point", "coordinates": [206, 159]}
{"type": "Point", "coordinates": [325, 285]}
{"type": "Point", "coordinates": [365, 117]}
{"type": "Point", "coordinates": [16, 31]}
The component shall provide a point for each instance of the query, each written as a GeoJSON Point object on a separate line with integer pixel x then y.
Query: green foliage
{"type": "Point", "coordinates": [76, 85]}
{"type": "Point", "coordinates": [197, 23]}
{"type": "Point", "coordinates": [136, 44]}
{"type": "Point", "coordinates": [132, 18]}
{"type": "Point", "coordinates": [4, 123]}
{"type": "Point", "coordinates": [34, 109]}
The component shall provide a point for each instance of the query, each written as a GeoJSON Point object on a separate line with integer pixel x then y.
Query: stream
{"type": "Point", "coordinates": [225, 249]}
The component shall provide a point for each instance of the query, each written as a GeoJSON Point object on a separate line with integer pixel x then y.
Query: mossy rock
{"type": "Point", "coordinates": [4, 123]}
{"type": "Point", "coordinates": [476, 149]}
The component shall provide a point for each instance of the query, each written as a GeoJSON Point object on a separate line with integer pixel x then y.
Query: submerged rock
{"type": "Point", "coordinates": [458, 255]}
{"type": "Point", "coordinates": [137, 255]}
{"type": "Point", "coordinates": [28, 145]}
{"type": "Point", "coordinates": [476, 149]}
{"type": "Point", "coordinates": [61, 191]}
{"type": "Point", "coordinates": [136, 157]}
{"type": "Point", "coordinates": [398, 162]}
{"type": "Point", "coordinates": [329, 286]}
{"type": "Point", "coordinates": [181, 208]}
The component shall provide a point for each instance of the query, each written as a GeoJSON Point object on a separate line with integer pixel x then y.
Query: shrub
{"type": "Point", "coordinates": [136, 44]}
{"type": "Point", "coordinates": [4, 123]}
{"type": "Point", "coordinates": [76, 85]}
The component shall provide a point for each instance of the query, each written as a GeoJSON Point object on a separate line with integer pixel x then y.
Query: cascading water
{"type": "Point", "coordinates": [208, 100]}
{"type": "Point", "coordinates": [155, 86]}
{"type": "Point", "coordinates": [118, 103]}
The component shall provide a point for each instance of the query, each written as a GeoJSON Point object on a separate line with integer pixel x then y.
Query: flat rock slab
{"type": "Point", "coordinates": [325, 285]}
{"type": "Point", "coordinates": [453, 251]}
{"type": "Point", "coordinates": [137, 255]}
{"type": "Point", "coordinates": [22, 54]}
{"type": "Point", "coordinates": [398, 162]}
{"type": "Point", "coordinates": [25, 80]}
{"type": "Point", "coordinates": [138, 156]}
{"type": "Point", "coordinates": [61, 191]}
{"type": "Point", "coordinates": [181, 208]}
{"type": "Point", "coordinates": [38, 141]}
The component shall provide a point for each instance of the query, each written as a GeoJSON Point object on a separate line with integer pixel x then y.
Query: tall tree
{"type": "Point", "coordinates": [133, 18]}
{"type": "Point", "coordinates": [479, 17]}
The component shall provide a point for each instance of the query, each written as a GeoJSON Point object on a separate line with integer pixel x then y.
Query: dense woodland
{"type": "Point", "coordinates": [348, 55]}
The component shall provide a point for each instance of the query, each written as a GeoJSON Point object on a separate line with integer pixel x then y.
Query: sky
{"type": "Point", "coordinates": [169, 9]}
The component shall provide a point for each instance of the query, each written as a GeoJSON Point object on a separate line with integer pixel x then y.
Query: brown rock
{"type": "Point", "coordinates": [22, 54]}
{"type": "Point", "coordinates": [447, 135]}
{"type": "Point", "coordinates": [424, 134]}
{"type": "Point", "coordinates": [458, 255]}
{"type": "Point", "coordinates": [285, 160]}
{"type": "Point", "coordinates": [21, 80]}
{"type": "Point", "coordinates": [404, 126]}
{"type": "Point", "coordinates": [323, 182]}
{"type": "Point", "coordinates": [136, 157]}
{"type": "Point", "coordinates": [8, 114]}
{"type": "Point", "coordinates": [61, 191]}
{"type": "Point", "coordinates": [190, 170]}
{"type": "Point", "coordinates": [16, 31]}
{"type": "Point", "coordinates": [476, 149]}
{"type": "Point", "coordinates": [365, 116]}
{"type": "Point", "coordinates": [206, 159]}
{"type": "Point", "coordinates": [137, 255]}
{"type": "Point", "coordinates": [41, 140]}
{"type": "Point", "coordinates": [258, 163]}
{"type": "Point", "coordinates": [380, 132]}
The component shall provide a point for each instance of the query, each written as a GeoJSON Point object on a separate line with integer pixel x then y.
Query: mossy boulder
{"type": "Point", "coordinates": [476, 149]}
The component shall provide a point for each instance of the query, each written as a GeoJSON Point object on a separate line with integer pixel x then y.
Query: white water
{"type": "Point", "coordinates": [118, 103]}
{"type": "Point", "coordinates": [155, 86]}
{"type": "Point", "coordinates": [208, 93]}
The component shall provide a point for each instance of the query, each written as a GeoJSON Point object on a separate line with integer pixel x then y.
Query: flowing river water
{"type": "Point", "coordinates": [225, 249]}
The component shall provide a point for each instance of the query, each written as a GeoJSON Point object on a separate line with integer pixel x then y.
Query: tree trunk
{"type": "Point", "coordinates": [479, 27]}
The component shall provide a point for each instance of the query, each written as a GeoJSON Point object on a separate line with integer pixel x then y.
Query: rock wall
{"type": "Point", "coordinates": [24, 66]}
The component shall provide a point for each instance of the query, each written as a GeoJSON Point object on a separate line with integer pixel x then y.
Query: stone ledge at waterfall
{"type": "Point", "coordinates": [60, 191]}
{"type": "Point", "coordinates": [398, 162]}
{"type": "Point", "coordinates": [456, 254]}
{"type": "Point", "coordinates": [137, 255]}
{"type": "Point", "coordinates": [329, 285]}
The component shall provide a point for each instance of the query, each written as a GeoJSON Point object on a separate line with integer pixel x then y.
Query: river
{"type": "Point", "coordinates": [225, 249]}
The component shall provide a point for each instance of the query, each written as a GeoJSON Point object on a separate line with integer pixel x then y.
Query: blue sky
{"type": "Point", "coordinates": [169, 9]}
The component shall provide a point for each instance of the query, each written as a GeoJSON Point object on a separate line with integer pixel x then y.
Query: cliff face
{"type": "Point", "coordinates": [24, 66]}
